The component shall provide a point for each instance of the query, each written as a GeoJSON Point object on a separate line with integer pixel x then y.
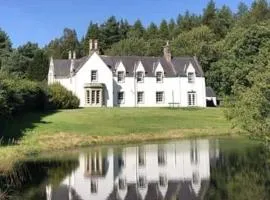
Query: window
{"type": "Point", "coordinates": [162, 180]}
{"type": "Point", "coordinates": [142, 182]}
{"type": "Point", "coordinates": [122, 184]}
{"type": "Point", "coordinates": [94, 76]}
{"type": "Point", "coordinates": [159, 77]}
{"type": "Point", "coordinates": [191, 98]}
{"type": "Point", "coordinates": [87, 97]}
{"type": "Point", "coordinates": [159, 97]}
{"type": "Point", "coordinates": [94, 188]}
{"type": "Point", "coordinates": [195, 178]}
{"type": "Point", "coordinates": [120, 77]}
{"type": "Point", "coordinates": [139, 77]}
{"type": "Point", "coordinates": [161, 156]}
{"type": "Point", "coordinates": [191, 77]}
{"type": "Point", "coordinates": [194, 153]}
{"type": "Point", "coordinates": [141, 156]}
{"type": "Point", "coordinates": [140, 97]}
{"type": "Point", "coordinates": [121, 98]}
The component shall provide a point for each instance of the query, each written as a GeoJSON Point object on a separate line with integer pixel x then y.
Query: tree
{"type": "Point", "coordinates": [54, 48]}
{"type": "Point", "coordinates": [152, 31]}
{"type": "Point", "coordinates": [223, 22]}
{"type": "Point", "coordinates": [5, 46]}
{"type": "Point", "coordinates": [69, 42]}
{"type": "Point", "coordinates": [164, 30]}
{"type": "Point", "coordinates": [93, 32]}
{"type": "Point", "coordinates": [137, 30]}
{"type": "Point", "coordinates": [259, 10]}
{"type": "Point", "coordinates": [191, 42]}
{"type": "Point", "coordinates": [242, 10]}
{"type": "Point", "coordinates": [209, 14]}
{"type": "Point", "coordinates": [110, 33]}
{"type": "Point", "coordinates": [38, 68]}
{"type": "Point", "coordinates": [59, 47]}
{"type": "Point", "coordinates": [124, 28]}
{"type": "Point", "coordinates": [172, 27]}
{"type": "Point", "coordinates": [129, 47]}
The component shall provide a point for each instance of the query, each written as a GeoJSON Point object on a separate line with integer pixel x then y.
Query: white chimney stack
{"type": "Point", "coordinates": [96, 45]}
{"type": "Point", "coordinates": [167, 52]}
{"type": "Point", "coordinates": [69, 55]}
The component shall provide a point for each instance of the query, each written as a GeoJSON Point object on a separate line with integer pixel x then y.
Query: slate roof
{"type": "Point", "coordinates": [210, 92]}
{"type": "Point", "coordinates": [177, 66]}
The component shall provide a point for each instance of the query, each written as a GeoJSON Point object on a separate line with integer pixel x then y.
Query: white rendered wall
{"type": "Point", "coordinates": [83, 77]}
{"type": "Point", "coordinates": [175, 88]}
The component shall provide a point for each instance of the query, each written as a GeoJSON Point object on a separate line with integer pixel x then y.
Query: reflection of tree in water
{"type": "Point", "coordinates": [241, 174]}
{"type": "Point", "coordinates": [31, 177]}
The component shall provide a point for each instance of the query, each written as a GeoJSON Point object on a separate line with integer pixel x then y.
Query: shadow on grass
{"type": "Point", "coordinates": [11, 130]}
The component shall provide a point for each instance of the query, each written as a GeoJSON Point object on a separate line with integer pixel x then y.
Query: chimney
{"type": "Point", "coordinates": [74, 55]}
{"type": "Point", "coordinates": [93, 46]}
{"type": "Point", "coordinates": [167, 52]}
{"type": "Point", "coordinates": [90, 45]}
{"type": "Point", "coordinates": [69, 55]}
{"type": "Point", "coordinates": [96, 44]}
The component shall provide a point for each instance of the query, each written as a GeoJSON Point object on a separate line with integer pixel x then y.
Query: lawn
{"type": "Point", "coordinates": [36, 132]}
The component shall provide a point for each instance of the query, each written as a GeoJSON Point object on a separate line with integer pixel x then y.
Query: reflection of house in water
{"type": "Point", "coordinates": [176, 170]}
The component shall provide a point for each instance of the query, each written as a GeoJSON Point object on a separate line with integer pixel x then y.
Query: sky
{"type": "Point", "coordinates": [40, 21]}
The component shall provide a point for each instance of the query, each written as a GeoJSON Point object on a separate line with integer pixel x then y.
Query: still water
{"type": "Point", "coordinates": [186, 169]}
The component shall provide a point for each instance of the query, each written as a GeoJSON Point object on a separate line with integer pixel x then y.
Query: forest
{"type": "Point", "coordinates": [233, 48]}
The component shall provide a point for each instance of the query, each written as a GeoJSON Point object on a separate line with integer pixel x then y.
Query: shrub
{"type": "Point", "coordinates": [19, 95]}
{"type": "Point", "coordinates": [61, 98]}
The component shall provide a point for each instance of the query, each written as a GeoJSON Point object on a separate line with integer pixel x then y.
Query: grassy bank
{"type": "Point", "coordinates": [37, 132]}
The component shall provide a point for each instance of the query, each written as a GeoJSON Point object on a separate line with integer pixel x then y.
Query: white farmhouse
{"type": "Point", "coordinates": [131, 81]}
{"type": "Point", "coordinates": [175, 170]}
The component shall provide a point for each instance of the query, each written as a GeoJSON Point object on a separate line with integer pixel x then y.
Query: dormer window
{"type": "Point", "coordinates": [191, 77]}
{"type": "Point", "coordinates": [159, 77]}
{"type": "Point", "coordinates": [120, 76]}
{"type": "Point", "coordinates": [94, 76]}
{"type": "Point", "coordinates": [140, 77]}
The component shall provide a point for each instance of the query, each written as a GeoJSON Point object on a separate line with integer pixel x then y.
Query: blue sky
{"type": "Point", "coordinates": [43, 20]}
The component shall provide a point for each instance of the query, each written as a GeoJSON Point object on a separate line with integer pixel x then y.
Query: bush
{"type": "Point", "coordinates": [20, 95]}
{"type": "Point", "coordinates": [61, 98]}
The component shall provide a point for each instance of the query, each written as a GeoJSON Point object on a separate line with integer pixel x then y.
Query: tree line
{"type": "Point", "coordinates": [233, 49]}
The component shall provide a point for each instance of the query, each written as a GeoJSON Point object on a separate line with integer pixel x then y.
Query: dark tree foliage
{"type": "Point", "coordinates": [5, 46]}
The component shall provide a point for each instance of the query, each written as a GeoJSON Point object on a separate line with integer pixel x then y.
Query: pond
{"type": "Point", "coordinates": [185, 169]}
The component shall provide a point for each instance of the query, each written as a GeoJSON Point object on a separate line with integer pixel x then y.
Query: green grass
{"type": "Point", "coordinates": [118, 121]}
{"type": "Point", "coordinates": [36, 132]}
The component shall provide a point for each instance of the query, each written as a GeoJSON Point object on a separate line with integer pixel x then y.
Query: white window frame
{"type": "Point", "coordinates": [141, 156]}
{"type": "Point", "coordinates": [94, 186]}
{"type": "Point", "coordinates": [121, 101]}
{"type": "Point", "coordinates": [144, 182]}
{"type": "Point", "coordinates": [192, 98]}
{"type": "Point", "coordinates": [140, 75]}
{"type": "Point", "coordinates": [163, 97]}
{"type": "Point", "coordinates": [122, 182]}
{"type": "Point", "coordinates": [191, 77]}
{"type": "Point", "coordinates": [121, 77]}
{"type": "Point", "coordinates": [163, 181]}
{"type": "Point", "coordinates": [142, 98]}
{"type": "Point", "coordinates": [159, 77]}
{"type": "Point", "coordinates": [96, 77]}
